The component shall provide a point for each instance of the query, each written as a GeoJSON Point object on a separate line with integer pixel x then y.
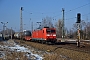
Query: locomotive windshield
{"type": "Point", "coordinates": [50, 31]}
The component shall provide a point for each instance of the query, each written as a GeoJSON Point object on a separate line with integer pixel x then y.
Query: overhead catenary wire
{"type": "Point", "coordinates": [77, 7]}
{"type": "Point", "coordinates": [76, 17]}
{"type": "Point", "coordinates": [73, 9]}
{"type": "Point", "coordinates": [60, 11]}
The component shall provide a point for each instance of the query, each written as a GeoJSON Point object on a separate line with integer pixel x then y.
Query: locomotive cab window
{"type": "Point", "coordinates": [50, 31]}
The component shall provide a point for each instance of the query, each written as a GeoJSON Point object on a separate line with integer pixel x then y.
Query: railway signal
{"type": "Point", "coordinates": [78, 29]}
{"type": "Point", "coordinates": [78, 18]}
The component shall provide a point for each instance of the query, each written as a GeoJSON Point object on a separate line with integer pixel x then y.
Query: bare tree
{"type": "Point", "coordinates": [58, 26]}
{"type": "Point", "coordinates": [8, 31]}
{"type": "Point", "coordinates": [87, 30]}
{"type": "Point", "coordinates": [47, 22]}
{"type": "Point", "coordinates": [84, 32]}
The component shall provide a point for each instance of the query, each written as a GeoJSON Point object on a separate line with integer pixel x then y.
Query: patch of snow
{"type": "Point", "coordinates": [2, 54]}
{"type": "Point", "coordinates": [37, 57]}
{"type": "Point", "coordinates": [19, 48]}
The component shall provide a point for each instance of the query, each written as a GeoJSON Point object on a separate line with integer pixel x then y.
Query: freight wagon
{"type": "Point", "coordinates": [26, 35]}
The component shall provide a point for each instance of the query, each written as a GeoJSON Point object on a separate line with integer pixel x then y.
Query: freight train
{"type": "Point", "coordinates": [43, 35]}
{"type": "Point", "coordinates": [26, 35]}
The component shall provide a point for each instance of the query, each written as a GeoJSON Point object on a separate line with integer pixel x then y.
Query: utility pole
{"type": "Point", "coordinates": [21, 22]}
{"type": "Point", "coordinates": [4, 29]}
{"type": "Point", "coordinates": [11, 33]}
{"type": "Point", "coordinates": [78, 36]}
{"type": "Point", "coordinates": [32, 26]}
{"type": "Point", "coordinates": [86, 29]}
{"type": "Point", "coordinates": [63, 33]}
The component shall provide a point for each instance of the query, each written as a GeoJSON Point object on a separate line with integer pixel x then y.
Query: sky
{"type": "Point", "coordinates": [35, 10]}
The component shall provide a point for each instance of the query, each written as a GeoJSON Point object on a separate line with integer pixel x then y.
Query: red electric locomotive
{"type": "Point", "coordinates": [44, 35]}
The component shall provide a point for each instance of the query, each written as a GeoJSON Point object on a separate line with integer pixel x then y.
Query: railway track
{"type": "Point", "coordinates": [82, 48]}
{"type": "Point", "coordinates": [72, 45]}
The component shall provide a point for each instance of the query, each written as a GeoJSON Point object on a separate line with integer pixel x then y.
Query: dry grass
{"type": "Point", "coordinates": [70, 54]}
{"type": "Point", "coordinates": [52, 55]}
{"type": "Point", "coordinates": [14, 56]}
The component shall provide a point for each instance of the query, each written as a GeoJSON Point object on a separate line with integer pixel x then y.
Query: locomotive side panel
{"type": "Point", "coordinates": [37, 34]}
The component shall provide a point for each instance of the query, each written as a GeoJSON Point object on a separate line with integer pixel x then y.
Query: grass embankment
{"type": "Point", "coordinates": [66, 53]}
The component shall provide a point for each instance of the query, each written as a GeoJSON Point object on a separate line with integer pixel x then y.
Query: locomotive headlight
{"type": "Point", "coordinates": [48, 34]}
{"type": "Point", "coordinates": [54, 34]}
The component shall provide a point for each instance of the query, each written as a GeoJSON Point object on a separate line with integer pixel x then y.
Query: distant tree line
{"type": "Point", "coordinates": [69, 33]}
{"type": "Point", "coordinates": [72, 33]}
{"type": "Point", "coordinates": [8, 32]}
